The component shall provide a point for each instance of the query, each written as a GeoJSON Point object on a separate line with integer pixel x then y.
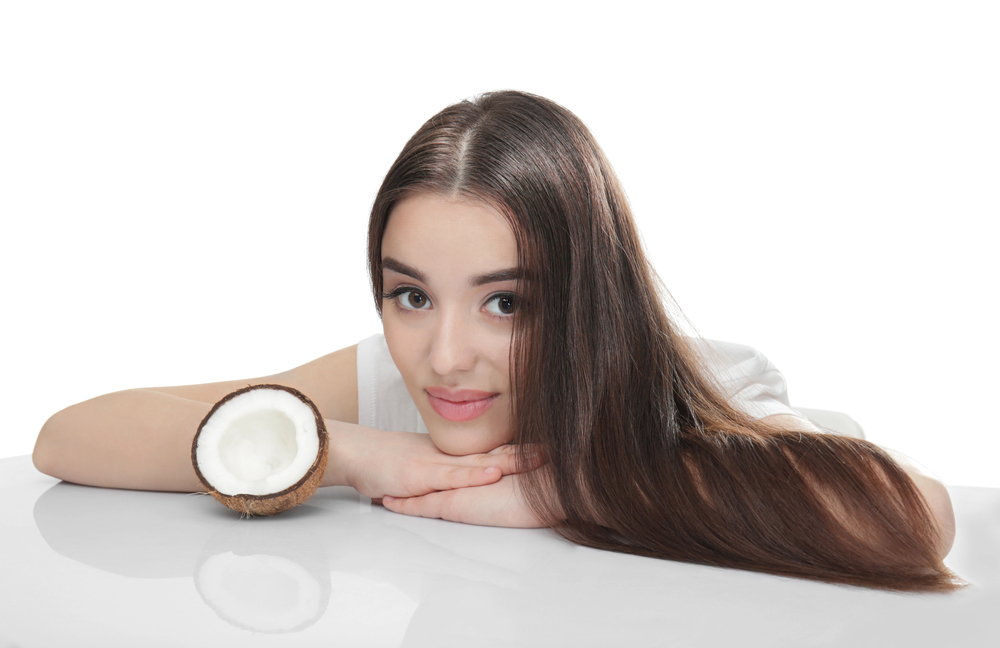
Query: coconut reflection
{"type": "Point", "coordinates": [359, 573]}
{"type": "Point", "coordinates": [265, 575]}
{"type": "Point", "coordinates": [254, 578]}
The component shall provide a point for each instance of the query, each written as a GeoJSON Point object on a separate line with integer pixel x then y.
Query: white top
{"type": "Point", "coordinates": [752, 382]}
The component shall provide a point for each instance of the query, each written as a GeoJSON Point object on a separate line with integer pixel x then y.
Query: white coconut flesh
{"type": "Point", "coordinates": [257, 443]}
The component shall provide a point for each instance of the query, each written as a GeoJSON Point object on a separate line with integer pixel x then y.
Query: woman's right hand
{"type": "Point", "coordinates": [406, 464]}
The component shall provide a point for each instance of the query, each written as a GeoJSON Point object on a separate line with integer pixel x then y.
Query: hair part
{"type": "Point", "coordinates": [645, 455]}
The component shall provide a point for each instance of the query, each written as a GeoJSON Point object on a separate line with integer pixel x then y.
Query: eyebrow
{"type": "Point", "coordinates": [507, 274]}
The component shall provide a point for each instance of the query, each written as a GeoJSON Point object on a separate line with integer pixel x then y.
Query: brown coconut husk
{"type": "Point", "coordinates": [283, 500]}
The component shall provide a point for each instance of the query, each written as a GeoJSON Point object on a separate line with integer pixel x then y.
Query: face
{"type": "Point", "coordinates": [447, 312]}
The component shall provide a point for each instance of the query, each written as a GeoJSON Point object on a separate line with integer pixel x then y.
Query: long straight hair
{"type": "Point", "coordinates": [645, 454]}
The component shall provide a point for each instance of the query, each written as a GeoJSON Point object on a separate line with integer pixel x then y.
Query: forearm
{"type": "Point", "coordinates": [341, 458]}
{"type": "Point", "coordinates": [137, 439]}
{"type": "Point", "coordinates": [141, 439]}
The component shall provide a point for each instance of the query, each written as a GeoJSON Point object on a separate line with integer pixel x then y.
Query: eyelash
{"type": "Point", "coordinates": [402, 290]}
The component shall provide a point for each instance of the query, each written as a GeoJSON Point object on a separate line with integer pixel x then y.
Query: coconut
{"type": "Point", "coordinates": [261, 450]}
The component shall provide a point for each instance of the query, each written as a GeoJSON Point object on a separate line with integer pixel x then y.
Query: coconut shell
{"type": "Point", "coordinates": [287, 498]}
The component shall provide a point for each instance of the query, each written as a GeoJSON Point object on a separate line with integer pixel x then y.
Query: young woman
{"type": "Point", "coordinates": [525, 331]}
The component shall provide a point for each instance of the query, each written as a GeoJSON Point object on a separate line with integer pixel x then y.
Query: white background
{"type": "Point", "coordinates": [184, 186]}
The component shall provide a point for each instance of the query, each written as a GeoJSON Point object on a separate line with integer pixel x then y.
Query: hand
{"type": "Point", "coordinates": [499, 504]}
{"type": "Point", "coordinates": [405, 464]}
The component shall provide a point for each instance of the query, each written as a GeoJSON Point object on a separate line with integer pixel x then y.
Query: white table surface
{"type": "Point", "coordinates": [85, 566]}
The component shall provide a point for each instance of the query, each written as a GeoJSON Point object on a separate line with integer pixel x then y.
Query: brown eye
{"type": "Point", "coordinates": [505, 305]}
{"type": "Point", "coordinates": [411, 300]}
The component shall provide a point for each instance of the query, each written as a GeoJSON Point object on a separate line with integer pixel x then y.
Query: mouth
{"type": "Point", "coordinates": [460, 410]}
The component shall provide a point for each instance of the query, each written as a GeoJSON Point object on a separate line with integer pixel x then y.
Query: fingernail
{"type": "Point", "coordinates": [387, 498]}
{"type": "Point", "coordinates": [489, 471]}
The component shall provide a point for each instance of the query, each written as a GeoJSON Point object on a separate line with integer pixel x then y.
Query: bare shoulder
{"type": "Point", "coordinates": [330, 381]}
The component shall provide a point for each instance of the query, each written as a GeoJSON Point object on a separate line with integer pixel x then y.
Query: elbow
{"type": "Point", "coordinates": [938, 501]}
{"type": "Point", "coordinates": [41, 456]}
{"type": "Point", "coordinates": [942, 513]}
{"type": "Point", "coordinates": [45, 455]}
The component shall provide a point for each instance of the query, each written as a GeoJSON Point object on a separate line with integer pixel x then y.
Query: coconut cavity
{"type": "Point", "coordinates": [258, 445]}
{"type": "Point", "coordinates": [261, 450]}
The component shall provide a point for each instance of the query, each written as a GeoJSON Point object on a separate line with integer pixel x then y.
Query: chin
{"type": "Point", "coordinates": [465, 442]}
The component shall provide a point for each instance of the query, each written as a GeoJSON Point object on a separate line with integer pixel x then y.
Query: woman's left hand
{"type": "Point", "coordinates": [500, 504]}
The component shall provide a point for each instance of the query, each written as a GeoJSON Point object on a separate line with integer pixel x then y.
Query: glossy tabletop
{"type": "Point", "coordinates": [85, 566]}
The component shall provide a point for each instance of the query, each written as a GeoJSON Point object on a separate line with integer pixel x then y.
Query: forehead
{"type": "Point", "coordinates": [431, 231]}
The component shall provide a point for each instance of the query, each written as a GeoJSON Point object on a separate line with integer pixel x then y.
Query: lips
{"type": "Point", "coordinates": [459, 404]}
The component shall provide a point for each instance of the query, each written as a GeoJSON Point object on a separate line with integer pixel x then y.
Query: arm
{"type": "Point", "coordinates": [141, 438]}
{"type": "Point", "coordinates": [930, 488]}
{"type": "Point", "coordinates": [501, 504]}
{"type": "Point", "coordinates": [935, 495]}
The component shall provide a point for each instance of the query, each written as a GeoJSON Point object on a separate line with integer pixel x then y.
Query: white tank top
{"type": "Point", "coordinates": [752, 382]}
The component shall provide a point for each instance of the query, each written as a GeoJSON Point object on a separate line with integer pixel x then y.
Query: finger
{"type": "Point", "coordinates": [505, 460]}
{"type": "Point", "coordinates": [432, 505]}
{"type": "Point", "coordinates": [514, 459]}
{"type": "Point", "coordinates": [533, 457]}
{"type": "Point", "coordinates": [502, 457]}
{"type": "Point", "coordinates": [452, 477]}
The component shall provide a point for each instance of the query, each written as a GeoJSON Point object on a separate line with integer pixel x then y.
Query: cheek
{"type": "Point", "coordinates": [404, 346]}
{"type": "Point", "coordinates": [498, 352]}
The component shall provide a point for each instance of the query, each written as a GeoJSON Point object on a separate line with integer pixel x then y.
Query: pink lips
{"type": "Point", "coordinates": [460, 404]}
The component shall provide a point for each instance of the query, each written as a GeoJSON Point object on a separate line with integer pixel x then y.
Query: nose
{"type": "Point", "coordinates": [453, 344]}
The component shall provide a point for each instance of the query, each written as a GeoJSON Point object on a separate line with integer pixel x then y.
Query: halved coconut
{"type": "Point", "coordinates": [261, 450]}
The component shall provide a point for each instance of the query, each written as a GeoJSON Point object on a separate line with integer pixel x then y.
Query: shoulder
{"type": "Point", "coordinates": [752, 382]}
{"type": "Point", "coordinates": [726, 354]}
{"type": "Point", "coordinates": [732, 363]}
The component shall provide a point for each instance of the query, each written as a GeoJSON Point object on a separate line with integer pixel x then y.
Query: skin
{"type": "Point", "coordinates": [448, 332]}
{"type": "Point", "coordinates": [445, 331]}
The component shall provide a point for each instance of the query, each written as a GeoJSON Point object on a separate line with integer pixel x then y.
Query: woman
{"type": "Point", "coordinates": [531, 336]}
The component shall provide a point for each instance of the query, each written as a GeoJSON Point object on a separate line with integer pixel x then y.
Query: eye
{"type": "Point", "coordinates": [505, 304]}
{"type": "Point", "coordinates": [408, 298]}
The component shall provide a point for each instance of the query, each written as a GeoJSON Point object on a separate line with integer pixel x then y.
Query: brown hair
{"type": "Point", "coordinates": [646, 455]}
